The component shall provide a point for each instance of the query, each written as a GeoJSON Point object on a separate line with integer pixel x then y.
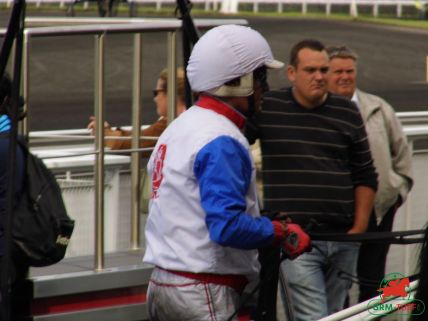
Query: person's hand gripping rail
{"type": "Point", "coordinates": [293, 240]}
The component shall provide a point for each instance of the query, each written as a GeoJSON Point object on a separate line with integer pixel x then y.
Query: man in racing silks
{"type": "Point", "coordinates": [204, 225]}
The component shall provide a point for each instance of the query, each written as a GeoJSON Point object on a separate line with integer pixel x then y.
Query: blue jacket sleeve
{"type": "Point", "coordinates": [223, 170]}
{"type": "Point", "coordinates": [4, 123]}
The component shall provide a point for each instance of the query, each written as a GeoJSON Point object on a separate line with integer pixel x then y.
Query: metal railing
{"type": "Point", "coordinates": [101, 28]}
{"type": "Point", "coordinates": [413, 117]}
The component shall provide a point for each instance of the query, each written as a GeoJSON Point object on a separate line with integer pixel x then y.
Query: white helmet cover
{"type": "Point", "coordinates": [228, 52]}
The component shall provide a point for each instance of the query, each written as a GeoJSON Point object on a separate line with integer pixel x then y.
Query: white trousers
{"type": "Point", "coordinates": [173, 297]}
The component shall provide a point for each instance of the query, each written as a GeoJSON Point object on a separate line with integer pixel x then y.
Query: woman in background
{"type": "Point", "coordinates": [155, 129]}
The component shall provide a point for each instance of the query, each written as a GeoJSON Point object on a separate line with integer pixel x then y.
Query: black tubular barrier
{"type": "Point", "coordinates": [190, 38]}
{"type": "Point", "coordinates": [271, 258]}
{"type": "Point", "coordinates": [398, 237]}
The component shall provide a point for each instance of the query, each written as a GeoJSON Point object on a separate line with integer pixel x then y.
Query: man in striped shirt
{"type": "Point", "coordinates": [317, 167]}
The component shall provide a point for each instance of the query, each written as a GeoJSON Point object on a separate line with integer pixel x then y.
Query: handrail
{"type": "Point", "coordinates": [85, 26]}
{"type": "Point", "coordinates": [91, 138]}
{"type": "Point", "coordinates": [135, 142]}
{"type": "Point", "coordinates": [98, 29]}
{"type": "Point", "coordinates": [50, 21]}
{"type": "Point", "coordinates": [413, 117]}
{"type": "Point", "coordinates": [414, 132]}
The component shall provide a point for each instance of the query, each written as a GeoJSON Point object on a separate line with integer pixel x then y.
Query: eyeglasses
{"type": "Point", "coordinates": [157, 91]}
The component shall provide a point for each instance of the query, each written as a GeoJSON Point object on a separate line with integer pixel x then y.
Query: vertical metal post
{"type": "Point", "coordinates": [353, 9]}
{"type": "Point", "coordinates": [23, 129]}
{"type": "Point", "coordinates": [172, 75]}
{"type": "Point", "coordinates": [304, 7]}
{"type": "Point", "coordinates": [375, 10]}
{"type": "Point", "coordinates": [328, 8]}
{"type": "Point", "coordinates": [99, 146]}
{"type": "Point", "coordinates": [136, 133]}
{"type": "Point", "coordinates": [399, 10]}
{"type": "Point", "coordinates": [427, 68]}
{"type": "Point", "coordinates": [409, 219]}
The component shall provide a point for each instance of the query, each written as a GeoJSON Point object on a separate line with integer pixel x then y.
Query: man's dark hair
{"type": "Point", "coordinates": [5, 87]}
{"type": "Point", "coordinates": [312, 44]}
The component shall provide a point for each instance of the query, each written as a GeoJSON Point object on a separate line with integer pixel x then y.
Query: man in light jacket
{"type": "Point", "coordinates": [392, 158]}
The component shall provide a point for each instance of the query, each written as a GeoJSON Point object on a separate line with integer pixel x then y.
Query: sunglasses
{"type": "Point", "coordinates": [260, 75]}
{"type": "Point", "coordinates": [157, 91]}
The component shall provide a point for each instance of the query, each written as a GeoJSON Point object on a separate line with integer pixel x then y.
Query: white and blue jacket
{"type": "Point", "coordinates": [204, 215]}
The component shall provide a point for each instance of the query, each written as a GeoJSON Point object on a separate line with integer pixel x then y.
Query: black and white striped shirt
{"type": "Point", "coordinates": [313, 158]}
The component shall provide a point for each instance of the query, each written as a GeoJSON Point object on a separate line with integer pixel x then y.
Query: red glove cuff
{"type": "Point", "coordinates": [279, 232]}
{"type": "Point", "coordinates": [297, 241]}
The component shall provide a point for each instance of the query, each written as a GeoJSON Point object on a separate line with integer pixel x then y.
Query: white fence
{"type": "Point", "coordinates": [232, 6]}
{"type": "Point", "coordinates": [38, 3]}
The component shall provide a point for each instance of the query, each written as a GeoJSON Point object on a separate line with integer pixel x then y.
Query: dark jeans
{"type": "Point", "coordinates": [372, 256]}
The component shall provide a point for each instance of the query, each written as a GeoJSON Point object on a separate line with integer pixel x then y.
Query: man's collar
{"type": "Point", "coordinates": [220, 107]}
{"type": "Point", "coordinates": [355, 98]}
{"type": "Point", "coordinates": [314, 106]}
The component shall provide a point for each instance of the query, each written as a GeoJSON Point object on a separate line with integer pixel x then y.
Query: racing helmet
{"type": "Point", "coordinates": [225, 53]}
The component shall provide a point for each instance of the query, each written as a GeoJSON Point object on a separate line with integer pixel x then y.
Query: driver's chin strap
{"type": "Point", "coordinates": [251, 107]}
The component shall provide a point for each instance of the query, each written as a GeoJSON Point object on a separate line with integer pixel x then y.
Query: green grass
{"type": "Point", "coordinates": [402, 22]}
{"type": "Point", "coordinates": [411, 21]}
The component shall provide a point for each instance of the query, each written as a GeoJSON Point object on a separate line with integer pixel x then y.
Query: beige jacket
{"type": "Point", "coordinates": [390, 150]}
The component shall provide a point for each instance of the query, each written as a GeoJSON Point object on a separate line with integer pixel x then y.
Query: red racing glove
{"type": "Point", "coordinates": [296, 241]}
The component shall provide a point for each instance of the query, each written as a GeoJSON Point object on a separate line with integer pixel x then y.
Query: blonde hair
{"type": "Point", "coordinates": [180, 81]}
